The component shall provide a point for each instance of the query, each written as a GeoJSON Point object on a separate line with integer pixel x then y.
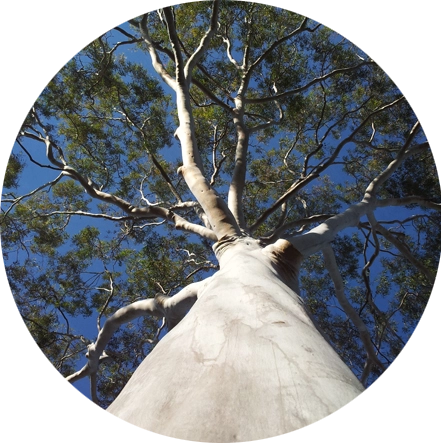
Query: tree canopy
{"type": "Point", "coordinates": [294, 125]}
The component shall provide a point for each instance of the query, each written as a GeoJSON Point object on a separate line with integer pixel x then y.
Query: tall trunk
{"type": "Point", "coordinates": [246, 363]}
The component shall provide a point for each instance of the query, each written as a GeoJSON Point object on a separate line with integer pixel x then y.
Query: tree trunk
{"type": "Point", "coordinates": [246, 363]}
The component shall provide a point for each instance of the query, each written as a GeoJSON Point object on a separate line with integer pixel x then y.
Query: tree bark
{"type": "Point", "coordinates": [246, 363]}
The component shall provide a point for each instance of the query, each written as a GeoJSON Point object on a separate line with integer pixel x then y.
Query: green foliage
{"type": "Point", "coordinates": [12, 174]}
{"type": "Point", "coordinates": [73, 259]}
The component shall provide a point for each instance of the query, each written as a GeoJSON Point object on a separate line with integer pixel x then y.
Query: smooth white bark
{"type": "Point", "coordinates": [246, 363]}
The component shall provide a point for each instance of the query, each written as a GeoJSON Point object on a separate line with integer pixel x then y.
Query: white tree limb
{"type": "Point", "coordinates": [156, 61]}
{"type": "Point", "coordinates": [203, 44]}
{"type": "Point", "coordinates": [172, 308]}
{"type": "Point", "coordinates": [316, 238]}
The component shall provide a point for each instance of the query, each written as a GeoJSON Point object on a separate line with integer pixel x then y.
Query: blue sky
{"type": "Point", "coordinates": [89, 325]}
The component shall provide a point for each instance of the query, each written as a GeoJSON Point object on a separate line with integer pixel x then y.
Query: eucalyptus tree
{"type": "Point", "coordinates": [231, 211]}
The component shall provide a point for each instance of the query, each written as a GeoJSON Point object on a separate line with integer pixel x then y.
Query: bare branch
{"type": "Point", "coordinates": [302, 222]}
{"type": "Point", "coordinates": [269, 123]}
{"type": "Point", "coordinates": [227, 42]}
{"type": "Point", "coordinates": [156, 61]}
{"type": "Point", "coordinates": [409, 200]}
{"type": "Point", "coordinates": [351, 136]}
{"type": "Point", "coordinates": [27, 134]}
{"type": "Point", "coordinates": [29, 194]}
{"type": "Point", "coordinates": [174, 41]}
{"type": "Point", "coordinates": [172, 308]}
{"type": "Point", "coordinates": [393, 166]}
{"type": "Point", "coordinates": [211, 95]}
{"type": "Point", "coordinates": [155, 161]}
{"type": "Point", "coordinates": [86, 214]}
{"type": "Point", "coordinates": [294, 188]}
{"type": "Point", "coordinates": [302, 182]}
{"type": "Point", "coordinates": [404, 250]}
{"type": "Point", "coordinates": [332, 267]}
{"type": "Point", "coordinates": [275, 44]}
{"type": "Point", "coordinates": [203, 45]}
{"type": "Point", "coordinates": [216, 165]}
{"type": "Point", "coordinates": [179, 222]}
{"type": "Point", "coordinates": [308, 85]}
{"type": "Point", "coordinates": [237, 185]}
{"type": "Point", "coordinates": [111, 291]}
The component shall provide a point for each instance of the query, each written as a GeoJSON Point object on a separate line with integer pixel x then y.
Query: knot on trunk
{"type": "Point", "coordinates": [286, 259]}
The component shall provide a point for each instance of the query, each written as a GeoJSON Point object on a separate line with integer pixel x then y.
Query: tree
{"type": "Point", "coordinates": [95, 115]}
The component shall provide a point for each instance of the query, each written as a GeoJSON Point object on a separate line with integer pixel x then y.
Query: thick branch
{"type": "Point", "coordinates": [123, 315]}
{"type": "Point", "coordinates": [174, 41]}
{"type": "Point", "coordinates": [172, 308]}
{"type": "Point", "coordinates": [237, 185]}
{"type": "Point", "coordinates": [219, 216]}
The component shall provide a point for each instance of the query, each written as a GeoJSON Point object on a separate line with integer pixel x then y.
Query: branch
{"type": "Point", "coordinates": [269, 123]}
{"type": "Point", "coordinates": [211, 95]}
{"type": "Point", "coordinates": [110, 296]}
{"type": "Point", "coordinates": [30, 135]}
{"type": "Point", "coordinates": [340, 146]}
{"type": "Point", "coordinates": [308, 85]}
{"type": "Point", "coordinates": [313, 240]}
{"type": "Point", "coordinates": [19, 199]}
{"type": "Point", "coordinates": [180, 74]}
{"type": "Point", "coordinates": [203, 45]}
{"type": "Point", "coordinates": [207, 91]}
{"type": "Point", "coordinates": [227, 42]}
{"type": "Point", "coordinates": [334, 272]}
{"type": "Point", "coordinates": [216, 165]}
{"type": "Point", "coordinates": [217, 212]}
{"type": "Point", "coordinates": [294, 188]}
{"type": "Point", "coordinates": [172, 308]}
{"type": "Point", "coordinates": [277, 43]}
{"type": "Point", "coordinates": [404, 250]}
{"type": "Point", "coordinates": [155, 161]}
{"type": "Point", "coordinates": [156, 61]}
{"type": "Point", "coordinates": [350, 137]}
{"type": "Point", "coordinates": [393, 166]}
{"type": "Point", "coordinates": [409, 200]}
{"type": "Point", "coordinates": [179, 222]}
{"type": "Point", "coordinates": [279, 230]}
{"type": "Point", "coordinates": [237, 185]}
{"type": "Point", "coordinates": [302, 182]}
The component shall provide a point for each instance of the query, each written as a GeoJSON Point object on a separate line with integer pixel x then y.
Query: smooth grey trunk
{"type": "Point", "coordinates": [246, 363]}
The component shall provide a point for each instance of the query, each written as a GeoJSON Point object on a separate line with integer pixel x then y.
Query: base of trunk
{"type": "Point", "coordinates": [246, 363]}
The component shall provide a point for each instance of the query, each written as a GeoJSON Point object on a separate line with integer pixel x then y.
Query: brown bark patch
{"type": "Point", "coordinates": [286, 259]}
